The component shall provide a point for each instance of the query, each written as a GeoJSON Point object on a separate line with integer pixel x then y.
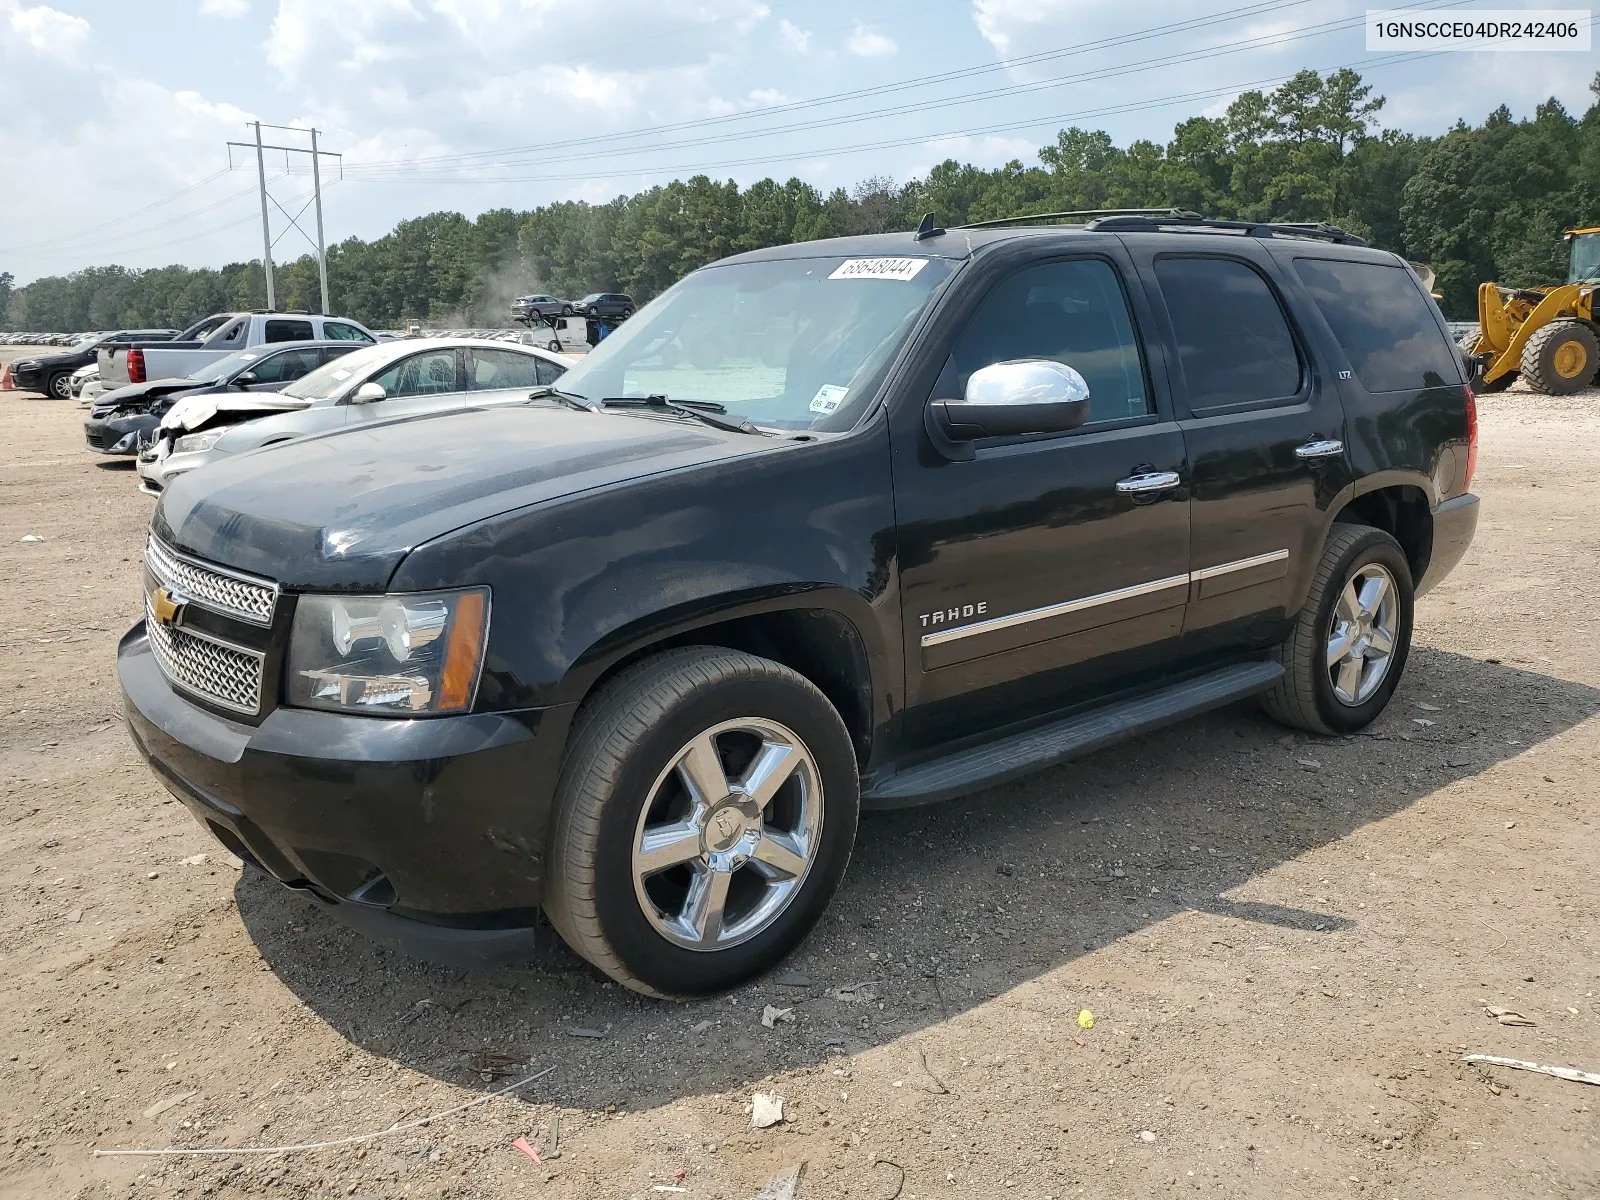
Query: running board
{"type": "Point", "coordinates": [1023, 753]}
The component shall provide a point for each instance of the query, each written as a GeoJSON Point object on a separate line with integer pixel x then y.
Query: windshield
{"type": "Point", "coordinates": [225, 368]}
{"type": "Point", "coordinates": [1585, 258]}
{"type": "Point", "coordinates": [798, 343]}
{"type": "Point", "coordinates": [328, 380]}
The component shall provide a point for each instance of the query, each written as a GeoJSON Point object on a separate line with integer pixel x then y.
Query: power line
{"type": "Point", "coordinates": [968, 98]}
{"type": "Point", "coordinates": [1259, 8]}
{"type": "Point", "coordinates": [1013, 126]}
{"type": "Point", "coordinates": [72, 237]}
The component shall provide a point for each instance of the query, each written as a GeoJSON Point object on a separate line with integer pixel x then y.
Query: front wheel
{"type": "Point", "coordinates": [705, 816]}
{"type": "Point", "coordinates": [60, 386]}
{"type": "Point", "coordinates": [1343, 661]}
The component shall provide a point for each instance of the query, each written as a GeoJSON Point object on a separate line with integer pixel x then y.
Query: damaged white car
{"type": "Point", "coordinates": [414, 377]}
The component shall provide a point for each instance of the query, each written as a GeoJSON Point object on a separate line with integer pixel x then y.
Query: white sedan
{"type": "Point", "coordinates": [410, 377]}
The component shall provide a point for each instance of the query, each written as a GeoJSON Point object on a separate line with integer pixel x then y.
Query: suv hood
{"type": "Point", "coordinates": [339, 511]}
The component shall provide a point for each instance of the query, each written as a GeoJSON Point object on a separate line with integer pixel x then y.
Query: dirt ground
{"type": "Point", "coordinates": [1286, 943]}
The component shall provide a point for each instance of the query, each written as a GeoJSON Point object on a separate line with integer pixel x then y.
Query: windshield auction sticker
{"type": "Point", "coordinates": [879, 268]}
{"type": "Point", "coordinates": [1480, 29]}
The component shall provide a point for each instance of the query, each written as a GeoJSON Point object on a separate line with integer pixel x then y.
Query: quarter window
{"type": "Point", "coordinates": [421, 375]}
{"type": "Point", "coordinates": [1378, 315]}
{"type": "Point", "coordinates": [1233, 340]}
{"type": "Point", "coordinates": [1073, 312]}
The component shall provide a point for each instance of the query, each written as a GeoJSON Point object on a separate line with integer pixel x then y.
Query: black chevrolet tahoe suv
{"type": "Point", "coordinates": [827, 527]}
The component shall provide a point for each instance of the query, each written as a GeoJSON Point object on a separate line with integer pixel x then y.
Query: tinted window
{"type": "Point", "coordinates": [547, 371]}
{"type": "Point", "coordinates": [338, 331]}
{"type": "Point", "coordinates": [502, 369]}
{"type": "Point", "coordinates": [289, 331]}
{"type": "Point", "coordinates": [1233, 340]}
{"type": "Point", "coordinates": [421, 375]}
{"type": "Point", "coordinates": [1073, 312]}
{"type": "Point", "coordinates": [1379, 316]}
{"type": "Point", "coordinates": [281, 368]}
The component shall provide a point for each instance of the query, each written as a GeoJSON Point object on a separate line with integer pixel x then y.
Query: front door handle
{"type": "Point", "coordinates": [1149, 481]}
{"type": "Point", "coordinates": [1319, 449]}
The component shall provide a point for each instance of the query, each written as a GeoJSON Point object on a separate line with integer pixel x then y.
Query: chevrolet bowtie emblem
{"type": "Point", "coordinates": [166, 607]}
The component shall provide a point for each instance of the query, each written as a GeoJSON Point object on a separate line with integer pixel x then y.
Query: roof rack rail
{"type": "Point", "coordinates": [1042, 218]}
{"type": "Point", "coordinates": [1260, 229]}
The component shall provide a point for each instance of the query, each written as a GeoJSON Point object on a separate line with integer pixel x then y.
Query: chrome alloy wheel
{"type": "Point", "coordinates": [728, 834]}
{"type": "Point", "coordinates": [1363, 633]}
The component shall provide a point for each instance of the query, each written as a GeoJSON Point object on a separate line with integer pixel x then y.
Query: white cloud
{"type": "Point", "coordinates": [227, 9]}
{"type": "Point", "coordinates": [52, 33]}
{"type": "Point", "coordinates": [797, 39]}
{"type": "Point", "coordinates": [866, 42]}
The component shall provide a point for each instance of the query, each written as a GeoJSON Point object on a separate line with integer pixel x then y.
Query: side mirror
{"type": "Point", "coordinates": [369, 392]}
{"type": "Point", "coordinates": [1031, 395]}
{"type": "Point", "coordinates": [246, 378]}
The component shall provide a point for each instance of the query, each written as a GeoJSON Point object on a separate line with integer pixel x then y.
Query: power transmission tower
{"type": "Point", "coordinates": [267, 240]}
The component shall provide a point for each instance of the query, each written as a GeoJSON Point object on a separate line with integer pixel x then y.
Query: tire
{"type": "Point", "coordinates": [566, 310]}
{"type": "Point", "coordinates": [60, 385]}
{"type": "Point", "coordinates": [621, 777]}
{"type": "Point", "coordinates": [553, 344]}
{"type": "Point", "coordinates": [1561, 358]}
{"type": "Point", "coordinates": [1309, 694]}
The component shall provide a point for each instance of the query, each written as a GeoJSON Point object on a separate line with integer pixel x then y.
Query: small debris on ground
{"type": "Point", "coordinates": [1507, 1016]}
{"type": "Point", "coordinates": [1147, 1135]}
{"type": "Point", "coordinates": [700, 1027]}
{"type": "Point", "coordinates": [793, 979]}
{"type": "Point", "coordinates": [587, 1033]}
{"type": "Point", "coordinates": [783, 1187]}
{"type": "Point", "coordinates": [161, 1106]}
{"type": "Point", "coordinates": [195, 860]}
{"type": "Point", "coordinates": [855, 993]}
{"type": "Point", "coordinates": [32, 537]}
{"type": "Point", "coordinates": [522, 1144]}
{"type": "Point", "coordinates": [765, 1110]}
{"type": "Point", "coordinates": [1569, 1073]}
{"type": "Point", "coordinates": [770, 1016]}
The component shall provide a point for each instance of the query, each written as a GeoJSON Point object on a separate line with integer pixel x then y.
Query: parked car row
{"type": "Point", "coordinates": [861, 523]}
{"type": "Point", "coordinates": [52, 373]}
{"type": "Point", "coordinates": [49, 339]}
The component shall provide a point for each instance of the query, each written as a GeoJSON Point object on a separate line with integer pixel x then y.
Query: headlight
{"type": "Point", "coordinates": [189, 443]}
{"type": "Point", "coordinates": [404, 654]}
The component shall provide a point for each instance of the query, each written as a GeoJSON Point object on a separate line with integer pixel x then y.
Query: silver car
{"type": "Point", "coordinates": [411, 377]}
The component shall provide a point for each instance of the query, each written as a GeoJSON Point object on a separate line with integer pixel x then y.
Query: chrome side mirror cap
{"type": "Point", "coordinates": [369, 392]}
{"type": "Point", "coordinates": [1022, 396]}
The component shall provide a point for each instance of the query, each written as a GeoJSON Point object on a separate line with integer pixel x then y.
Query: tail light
{"type": "Point", "coordinates": [1472, 436]}
{"type": "Point", "coordinates": [136, 366]}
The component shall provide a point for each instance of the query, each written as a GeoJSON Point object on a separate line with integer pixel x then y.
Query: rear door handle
{"type": "Point", "coordinates": [1149, 481]}
{"type": "Point", "coordinates": [1321, 449]}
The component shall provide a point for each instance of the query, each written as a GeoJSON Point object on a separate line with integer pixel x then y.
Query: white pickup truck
{"type": "Point", "coordinates": [218, 335]}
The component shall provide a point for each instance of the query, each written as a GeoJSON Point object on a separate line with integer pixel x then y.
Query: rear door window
{"type": "Point", "coordinates": [1234, 342]}
{"type": "Point", "coordinates": [289, 331]}
{"type": "Point", "coordinates": [1379, 316]}
{"type": "Point", "coordinates": [501, 369]}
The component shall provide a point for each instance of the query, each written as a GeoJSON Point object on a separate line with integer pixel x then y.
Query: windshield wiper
{"type": "Point", "coordinates": [700, 410]}
{"type": "Point", "coordinates": [570, 399]}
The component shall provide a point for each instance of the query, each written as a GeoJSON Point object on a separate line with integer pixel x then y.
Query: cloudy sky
{"type": "Point", "coordinates": [114, 115]}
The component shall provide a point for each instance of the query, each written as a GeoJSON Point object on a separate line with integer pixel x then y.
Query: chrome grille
{"type": "Point", "coordinates": [234, 595]}
{"type": "Point", "coordinates": [225, 675]}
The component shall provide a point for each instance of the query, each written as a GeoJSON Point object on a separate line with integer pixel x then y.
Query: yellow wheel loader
{"type": "Point", "coordinates": [1547, 334]}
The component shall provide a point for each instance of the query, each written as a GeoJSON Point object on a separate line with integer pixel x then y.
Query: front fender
{"type": "Point", "coordinates": [584, 580]}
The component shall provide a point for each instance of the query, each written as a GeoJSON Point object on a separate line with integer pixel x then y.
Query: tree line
{"type": "Point", "coordinates": [1478, 202]}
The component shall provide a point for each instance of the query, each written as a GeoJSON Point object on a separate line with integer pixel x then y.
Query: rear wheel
{"type": "Point", "coordinates": [705, 816]}
{"type": "Point", "coordinates": [1343, 661]}
{"type": "Point", "coordinates": [1561, 358]}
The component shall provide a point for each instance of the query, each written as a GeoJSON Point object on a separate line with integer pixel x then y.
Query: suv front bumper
{"type": "Point", "coordinates": [427, 835]}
